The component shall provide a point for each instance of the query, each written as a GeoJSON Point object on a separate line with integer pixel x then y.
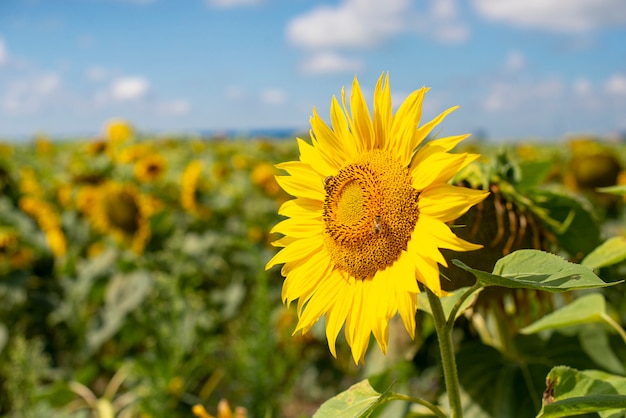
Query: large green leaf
{"type": "Point", "coordinates": [589, 308]}
{"type": "Point", "coordinates": [359, 400]}
{"type": "Point", "coordinates": [534, 269]}
{"type": "Point", "coordinates": [572, 392]}
{"type": "Point", "coordinates": [611, 251]}
{"type": "Point", "coordinates": [593, 339]}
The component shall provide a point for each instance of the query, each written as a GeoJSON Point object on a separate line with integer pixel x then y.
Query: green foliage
{"type": "Point", "coordinates": [193, 318]}
{"type": "Point", "coordinates": [572, 392]}
{"type": "Point", "coordinates": [533, 269]}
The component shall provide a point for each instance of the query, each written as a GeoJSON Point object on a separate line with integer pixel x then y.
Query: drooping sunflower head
{"type": "Point", "coordinates": [371, 204]}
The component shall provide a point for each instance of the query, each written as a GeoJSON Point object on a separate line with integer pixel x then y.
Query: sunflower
{"type": "Point", "coordinates": [150, 168]}
{"type": "Point", "coordinates": [122, 211]}
{"type": "Point", "coordinates": [371, 204]}
{"type": "Point", "coordinates": [118, 131]}
{"type": "Point", "coordinates": [49, 221]}
{"type": "Point", "coordinates": [193, 184]}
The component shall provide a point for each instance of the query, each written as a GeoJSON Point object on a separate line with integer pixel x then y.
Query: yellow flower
{"type": "Point", "coordinates": [122, 211]}
{"type": "Point", "coordinates": [118, 131]}
{"type": "Point", "coordinates": [150, 168]}
{"type": "Point", "coordinates": [264, 176]}
{"type": "Point", "coordinates": [49, 221]}
{"type": "Point", "coordinates": [369, 216]}
{"type": "Point", "coordinates": [191, 185]}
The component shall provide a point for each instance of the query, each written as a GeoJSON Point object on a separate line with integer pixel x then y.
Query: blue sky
{"type": "Point", "coordinates": [536, 69]}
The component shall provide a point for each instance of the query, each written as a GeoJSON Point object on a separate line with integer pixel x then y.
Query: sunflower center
{"type": "Point", "coordinates": [370, 212]}
{"type": "Point", "coordinates": [122, 211]}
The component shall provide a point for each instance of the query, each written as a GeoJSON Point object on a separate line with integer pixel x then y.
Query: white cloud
{"type": "Point", "coordinates": [273, 96]}
{"type": "Point", "coordinates": [4, 54]}
{"type": "Point", "coordinates": [616, 85]}
{"type": "Point", "coordinates": [232, 3]}
{"type": "Point", "coordinates": [129, 88]}
{"type": "Point", "coordinates": [353, 23]}
{"type": "Point", "coordinates": [555, 15]}
{"type": "Point", "coordinates": [515, 61]}
{"type": "Point", "coordinates": [28, 95]}
{"type": "Point", "coordinates": [330, 62]}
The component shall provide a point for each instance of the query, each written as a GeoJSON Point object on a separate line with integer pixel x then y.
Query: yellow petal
{"type": "Point", "coordinates": [339, 120]}
{"type": "Point", "coordinates": [328, 142]}
{"type": "Point", "coordinates": [407, 307]}
{"type": "Point", "coordinates": [428, 273]}
{"type": "Point", "coordinates": [336, 316]}
{"type": "Point", "coordinates": [444, 237]}
{"type": "Point", "coordinates": [404, 126]}
{"type": "Point", "coordinates": [361, 121]}
{"type": "Point", "coordinates": [296, 250]}
{"type": "Point", "coordinates": [434, 167]}
{"type": "Point", "coordinates": [356, 331]}
{"type": "Point", "coordinates": [382, 112]}
{"type": "Point", "coordinates": [310, 188]}
{"type": "Point", "coordinates": [299, 227]}
{"type": "Point", "coordinates": [312, 156]}
{"type": "Point", "coordinates": [446, 202]}
{"type": "Point", "coordinates": [301, 208]}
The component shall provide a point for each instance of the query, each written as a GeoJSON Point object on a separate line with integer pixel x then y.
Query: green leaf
{"type": "Point", "coordinates": [593, 339]}
{"type": "Point", "coordinates": [534, 269]}
{"type": "Point", "coordinates": [359, 400]}
{"type": "Point", "coordinates": [582, 311]}
{"type": "Point", "coordinates": [610, 252]}
{"type": "Point", "coordinates": [582, 233]}
{"type": "Point", "coordinates": [448, 301]}
{"type": "Point", "coordinates": [618, 190]}
{"type": "Point", "coordinates": [533, 173]}
{"type": "Point", "coordinates": [572, 392]}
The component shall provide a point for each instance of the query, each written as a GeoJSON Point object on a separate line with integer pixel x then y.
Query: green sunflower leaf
{"type": "Point", "coordinates": [618, 190]}
{"type": "Point", "coordinates": [572, 392]}
{"type": "Point", "coordinates": [359, 400]}
{"type": "Point", "coordinates": [534, 269]}
{"type": "Point", "coordinates": [610, 252]}
{"type": "Point", "coordinates": [584, 310]}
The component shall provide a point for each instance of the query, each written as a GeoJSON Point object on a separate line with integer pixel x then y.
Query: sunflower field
{"type": "Point", "coordinates": [133, 283]}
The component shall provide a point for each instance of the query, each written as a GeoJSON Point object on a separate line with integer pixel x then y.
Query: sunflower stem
{"type": "Point", "coordinates": [448, 360]}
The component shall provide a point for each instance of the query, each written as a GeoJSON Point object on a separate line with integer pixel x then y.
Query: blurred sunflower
{"type": "Point", "coordinates": [263, 175]}
{"type": "Point", "coordinates": [123, 212]}
{"type": "Point", "coordinates": [97, 147]}
{"type": "Point", "coordinates": [12, 254]}
{"type": "Point", "coordinates": [369, 217]}
{"type": "Point", "coordinates": [133, 153]}
{"type": "Point", "coordinates": [118, 131]}
{"type": "Point", "coordinates": [49, 221]}
{"type": "Point", "coordinates": [191, 185]}
{"type": "Point", "coordinates": [150, 168]}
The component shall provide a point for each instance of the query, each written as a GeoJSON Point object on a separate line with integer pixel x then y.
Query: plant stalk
{"type": "Point", "coordinates": [448, 360]}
